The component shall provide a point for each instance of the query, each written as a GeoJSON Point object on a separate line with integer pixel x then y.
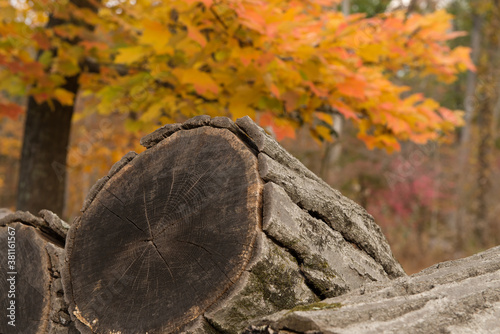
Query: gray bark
{"type": "Point", "coordinates": [461, 296]}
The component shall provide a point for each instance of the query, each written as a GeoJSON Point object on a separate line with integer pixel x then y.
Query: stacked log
{"type": "Point", "coordinates": [216, 228]}
{"type": "Point", "coordinates": [31, 261]}
{"type": "Point", "coordinates": [213, 225]}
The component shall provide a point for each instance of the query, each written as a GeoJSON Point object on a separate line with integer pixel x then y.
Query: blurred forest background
{"type": "Point", "coordinates": [433, 185]}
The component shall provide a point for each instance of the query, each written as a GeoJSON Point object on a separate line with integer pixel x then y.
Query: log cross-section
{"type": "Point", "coordinates": [31, 258]}
{"type": "Point", "coordinates": [166, 235]}
{"type": "Point", "coordinates": [213, 225]}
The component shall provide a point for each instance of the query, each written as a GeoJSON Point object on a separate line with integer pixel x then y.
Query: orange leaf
{"type": "Point", "coordinates": [344, 109]}
{"type": "Point", "coordinates": [42, 40]}
{"type": "Point", "coordinates": [397, 125]}
{"type": "Point", "coordinates": [10, 110]}
{"type": "Point", "coordinates": [352, 87]}
{"type": "Point", "coordinates": [196, 36]}
{"type": "Point", "coordinates": [327, 118]}
{"type": "Point", "coordinates": [316, 90]}
{"type": "Point", "coordinates": [291, 100]}
{"type": "Point", "coordinates": [275, 91]}
{"type": "Point", "coordinates": [463, 54]}
{"type": "Point", "coordinates": [281, 128]}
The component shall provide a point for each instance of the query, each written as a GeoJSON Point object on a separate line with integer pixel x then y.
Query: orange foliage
{"type": "Point", "coordinates": [283, 59]}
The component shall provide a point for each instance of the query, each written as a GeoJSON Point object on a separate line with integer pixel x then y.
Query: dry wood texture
{"type": "Point", "coordinates": [30, 263]}
{"type": "Point", "coordinates": [213, 225]}
{"type": "Point", "coordinates": [461, 296]}
{"type": "Point", "coordinates": [172, 230]}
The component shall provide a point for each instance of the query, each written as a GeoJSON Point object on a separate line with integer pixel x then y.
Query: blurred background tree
{"type": "Point", "coordinates": [322, 73]}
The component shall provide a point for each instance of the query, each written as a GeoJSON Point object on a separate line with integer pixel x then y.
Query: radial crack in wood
{"type": "Point", "coordinates": [166, 236]}
{"type": "Point", "coordinates": [272, 282]}
{"type": "Point", "coordinates": [171, 240]}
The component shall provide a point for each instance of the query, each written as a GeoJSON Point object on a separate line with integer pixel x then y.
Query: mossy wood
{"type": "Point", "coordinates": [213, 225]}
{"type": "Point", "coordinates": [459, 296]}
{"type": "Point", "coordinates": [31, 259]}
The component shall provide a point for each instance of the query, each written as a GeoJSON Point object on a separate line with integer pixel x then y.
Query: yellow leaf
{"type": "Point", "coordinates": [153, 113]}
{"type": "Point", "coordinates": [65, 97]}
{"type": "Point", "coordinates": [130, 54]}
{"type": "Point", "coordinates": [371, 52]}
{"type": "Point", "coordinates": [327, 118]}
{"type": "Point", "coordinates": [324, 132]}
{"type": "Point", "coordinates": [239, 108]}
{"type": "Point", "coordinates": [157, 35]}
{"type": "Point", "coordinates": [201, 81]}
{"type": "Point", "coordinates": [241, 100]}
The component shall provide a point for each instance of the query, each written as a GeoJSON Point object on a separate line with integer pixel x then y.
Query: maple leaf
{"type": "Point", "coordinates": [282, 60]}
{"type": "Point", "coordinates": [196, 36]}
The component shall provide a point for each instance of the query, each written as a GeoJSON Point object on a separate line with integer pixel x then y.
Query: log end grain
{"type": "Point", "coordinates": [165, 236]}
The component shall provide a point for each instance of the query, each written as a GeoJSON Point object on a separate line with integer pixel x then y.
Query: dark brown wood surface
{"type": "Point", "coordinates": [166, 235]}
{"type": "Point", "coordinates": [31, 281]}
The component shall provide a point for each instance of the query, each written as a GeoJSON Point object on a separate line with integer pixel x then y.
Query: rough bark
{"type": "Point", "coordinates": [205, 231]}
{"type": "Point", "coordinates": [315, 196]}
{"type": "Point", "coordinates": [461, 296]}
{"type": "Point", "coordinates": [32, 281]}
{"type": "Point", "coordinates": [42, 176]}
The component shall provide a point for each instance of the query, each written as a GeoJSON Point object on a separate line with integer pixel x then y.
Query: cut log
{"type": "Point", "coordinates": [5, 212]}
{"type": "Point", "coordinates": [31, 261]}
{"type": "Point", "coordinates": [213, 225]}
{"type": "Point", "coordinates": [461, 296]}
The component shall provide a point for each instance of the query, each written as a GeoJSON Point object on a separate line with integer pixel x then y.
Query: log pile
{"type": "Point", "coordinates": [216, 228]}
{"type": "Point", "coordinates": [213, 225]}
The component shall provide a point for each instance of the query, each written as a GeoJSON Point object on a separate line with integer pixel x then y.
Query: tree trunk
{"type": "Point", "coordinates": [31, 289]}
{"type": "Point", "coordinates": [213, 225]}
{"type": "Point", "coordinates": [42, 173]}
{"type": "Point", "coordinates": [463, 168]}
{"type": "Point", "coordinates": [461, 296]}
{"type": "Point", "coordinates": [487, 96]}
